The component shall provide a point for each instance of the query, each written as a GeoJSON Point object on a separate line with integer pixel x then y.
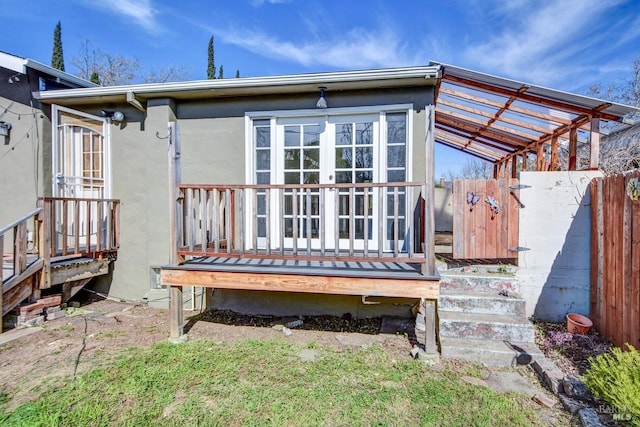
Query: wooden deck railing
{"type": "Point", "coordinates": [21, 259]}
{"type": "Point", "coordinates": [82, 226]}
{"type": "Point", "coordinates": [58, 227]}
{"type": "Point", "coordinates": [377, 222]}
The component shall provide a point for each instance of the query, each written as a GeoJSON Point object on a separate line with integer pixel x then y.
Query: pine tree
{"type": "Point", "coordinates": [57, 58]}
{"type": "Point", "coordinates": [237, 74]}
{"type": "Point", "coordinates": [211, 63]}
{"type": "Point", "coordinates": [221, 73]}
{"type": "Point", "coordinates": [95, 78]}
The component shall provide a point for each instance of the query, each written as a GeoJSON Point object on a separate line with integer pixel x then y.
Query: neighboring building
{"type": "Point", "coordinates": [25, 153]}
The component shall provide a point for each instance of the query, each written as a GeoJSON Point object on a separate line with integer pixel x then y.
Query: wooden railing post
{"type": "Point", "coordinates": [44, 245]}
{"type": "Point", "coordinates": [20, 247]}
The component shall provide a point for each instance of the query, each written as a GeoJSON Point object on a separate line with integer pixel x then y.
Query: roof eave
{"type": "Point", "coordinates": [59, 74]}
{"type": "Point", "coordinates": [295, 83]}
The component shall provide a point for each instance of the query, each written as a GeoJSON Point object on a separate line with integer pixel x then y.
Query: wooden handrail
{"type": "Point", "coordinates": [210, 187]}
{"type": "Point", "coordinates": [379, 220]}
{"type": "Point", "coordinates": [23, 218]}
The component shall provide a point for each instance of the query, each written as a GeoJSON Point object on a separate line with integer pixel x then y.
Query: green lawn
{"type": "Point", "coordinates": [265, 383]}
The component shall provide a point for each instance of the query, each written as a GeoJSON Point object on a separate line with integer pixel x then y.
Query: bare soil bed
{"type": "Point", "coordinates": [570, 352]}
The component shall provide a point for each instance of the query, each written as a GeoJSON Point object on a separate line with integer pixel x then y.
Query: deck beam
{"type": "Point", "coordinates": [335, 285]}
{"type": "Point", "coordinates": [176, 278]}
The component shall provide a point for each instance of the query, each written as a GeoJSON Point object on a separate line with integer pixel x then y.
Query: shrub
{"type": "Point", "coordinates": [615, 378]}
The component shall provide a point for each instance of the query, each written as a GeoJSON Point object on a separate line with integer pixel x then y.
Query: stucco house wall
{"type": "Point", "coordinates": [22, 171]}
{"type": "Point", "coordinates": [25, 157]}
{"type": "Point", "coordinates": [212, 140]}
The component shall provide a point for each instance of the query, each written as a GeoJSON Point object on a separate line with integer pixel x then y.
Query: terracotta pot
{"type": "Point", "coordinates": [578, 324]}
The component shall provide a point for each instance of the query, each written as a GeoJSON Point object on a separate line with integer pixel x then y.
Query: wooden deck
{"type": "Point", "coordinates": [360, 239]}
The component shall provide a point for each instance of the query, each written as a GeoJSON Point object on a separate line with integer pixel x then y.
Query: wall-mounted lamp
{"type": "Point", "coordinates": [5, 127]}
{"type": "Point", "coordinates": [116, 116]}
{"type": "Point", "coordinates": [322, 102]}
{"type": "Point", "coordinates": [14, 78]}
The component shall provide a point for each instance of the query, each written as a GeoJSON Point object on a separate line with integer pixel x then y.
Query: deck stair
{"type": "Point", "coordinates": [482, 317]}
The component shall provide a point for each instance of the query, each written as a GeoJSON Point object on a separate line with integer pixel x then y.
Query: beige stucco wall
{"type": "Point", "coordinates": [212, 138]}
{"type": "Point", "coordinates": [22, 169]}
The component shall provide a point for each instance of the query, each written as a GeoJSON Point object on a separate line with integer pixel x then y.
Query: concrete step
{"type": "Point", "coordinates": [481, 302]}
{"type": "Point", "coordinates": [491, 353]}
{"type": "Point", "coordinates": [485, 326]}
{"type": "Point", "coordinates": [478, 282]}
{"type": "Point", "coordinates": [504, 269]}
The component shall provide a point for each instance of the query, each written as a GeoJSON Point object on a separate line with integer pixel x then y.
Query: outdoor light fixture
{"type": "Point", "coordinates": [322, 102]}
{"type": "Point", "coordinates": [14, 78]}
{"type": "Point", "coordinates": [5, 128]}
{"type": "Point", "coordinates": [116, 116]}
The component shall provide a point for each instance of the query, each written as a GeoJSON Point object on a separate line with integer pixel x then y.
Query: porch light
{"type": "Point", "coordinates": [5, 127]}
{"type": "Point", "coordinates": [116, 116]}
{"type": "Point", "coordinates": [322, 102]}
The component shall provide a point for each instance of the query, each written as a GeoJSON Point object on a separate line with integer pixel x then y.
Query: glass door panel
{"type": "Point", "coordinates": [301, 159]}
{"type": "Point", "coordinates": [355, 141]}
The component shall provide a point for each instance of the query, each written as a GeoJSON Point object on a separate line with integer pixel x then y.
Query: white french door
{"type": "Point", "coordinates": [354, 145]}
{"type": "Point", "coordinates": [328, 150]}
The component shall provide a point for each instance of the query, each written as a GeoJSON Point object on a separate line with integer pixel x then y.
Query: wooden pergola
{"type": "Point", "coordinates": [506, 122]}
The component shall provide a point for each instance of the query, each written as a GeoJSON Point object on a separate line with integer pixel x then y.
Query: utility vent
{"type": "Point", "coordinates": [154, 277]}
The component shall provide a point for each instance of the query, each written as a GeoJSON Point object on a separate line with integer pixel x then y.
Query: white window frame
{"type": "Point", "coordinates": [106, 129]}
{"type": "Point", "coordinates": [274, 115]}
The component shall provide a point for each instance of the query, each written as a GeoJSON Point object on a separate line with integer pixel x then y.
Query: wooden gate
{"type": "Point", "coordinates": [485, 218]}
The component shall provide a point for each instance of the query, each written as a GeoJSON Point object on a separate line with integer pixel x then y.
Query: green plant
{"type": "Point", "coordinates": [615, 378]}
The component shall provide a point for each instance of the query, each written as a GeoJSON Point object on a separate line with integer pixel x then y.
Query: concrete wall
{"type": "Point", "coordinates": [443, 206]}
{"type": "Point", "coordinates": [555, 226]}
{"type": "Point", "coordinates": [212, 151]}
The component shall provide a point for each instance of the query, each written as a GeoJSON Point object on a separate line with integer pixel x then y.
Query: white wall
{"type": "Point", "coordinates": [443, 206]}
{"type": "Point", "coordinates": [555, 225]}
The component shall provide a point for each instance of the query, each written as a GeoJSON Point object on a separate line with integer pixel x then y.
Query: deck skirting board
{"type": "Point", "coordinates": [337, 285]}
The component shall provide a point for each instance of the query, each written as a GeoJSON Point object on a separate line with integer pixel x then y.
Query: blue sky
{"type": "Point", "coordinates": [563, 44]}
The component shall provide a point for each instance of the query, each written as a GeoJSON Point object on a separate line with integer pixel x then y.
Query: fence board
{"type": "Point", "coordinates": [615, 260]}
{"type": "Point", "coordinates": [492, 220]}
{"type": "Point", "coordinates": [478, 232]}
{"type": "Point", "coordinates": [458, 218]}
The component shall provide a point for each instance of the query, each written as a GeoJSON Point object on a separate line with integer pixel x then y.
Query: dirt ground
{"type": "Point", "coordinates": [72, 345]}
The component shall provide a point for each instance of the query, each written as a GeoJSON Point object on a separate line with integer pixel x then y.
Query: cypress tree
{"type": "Point", "coordinates": [211, 63]}
{"type": "Point", "coordinates": [237, 74]}
{"type": "Point", "coordinates": [95, 78]}
{"type": "Point", "coordinates": [57, 58]}
{"type": "Point", "coordinates": [221, 73]}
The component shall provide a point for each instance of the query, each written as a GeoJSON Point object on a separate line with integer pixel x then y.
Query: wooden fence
{"type": "Point", "coordinates": [481, 229]}
{"type": "Point", "coordinates": [615, 259]}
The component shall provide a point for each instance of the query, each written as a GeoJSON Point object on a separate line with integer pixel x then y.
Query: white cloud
{"type": "Point", "coordinates": [542, 42]}
{"type": "Point", "coordinates": [261, 2]}
{"type": "Point", "coordinates": [141, 12]}
{"type": "Point", "coordinates": [355, 49]}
